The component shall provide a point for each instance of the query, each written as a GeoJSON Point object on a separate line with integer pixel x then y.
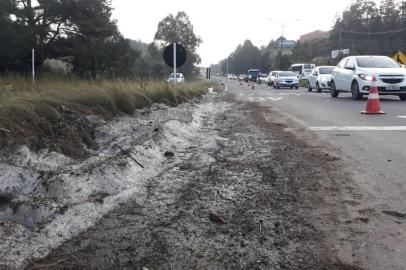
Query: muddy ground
{"type": "Point", "coordinates": [267, 199]}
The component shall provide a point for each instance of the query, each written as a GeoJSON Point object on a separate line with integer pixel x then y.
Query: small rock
{"type": "Point", "coordinates": [169, 154]}
{"type": "Point", "coordinates": [156, 130]}
{"type": "Point", "coordinates": [5, 198]}
{"type": "Point", "coordinates": [216, 218]}
{"type": "Point", "coordinates": [365, 220]}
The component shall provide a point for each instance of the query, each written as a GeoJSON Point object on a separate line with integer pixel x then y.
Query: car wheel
{"type": "Point", "coordinates": [291, 87]}
{"type": "Point", "coordinates": [296, 87]}
{"type": "Point", "coordinates": [333, 91]}
{"type": "Point", "coordinates": [309, 88]}
{"type": "Point", "coordinates": [318, 87]}
{"type": "Point", "coordinates": [402, 97]}
{"type": "Point", "coordinates": [277, 86]}
{"type": "Point", "coordinates": [356, 95]}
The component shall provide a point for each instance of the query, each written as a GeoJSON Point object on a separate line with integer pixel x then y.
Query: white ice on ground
{"type": "Point", "coordinates": [58, 197]}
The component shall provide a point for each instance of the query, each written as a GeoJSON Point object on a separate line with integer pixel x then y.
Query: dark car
{"type": "Point", "coordinates": [253, 75]}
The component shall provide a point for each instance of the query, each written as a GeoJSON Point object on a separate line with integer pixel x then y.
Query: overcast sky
{"type": "Point", "coordinates": [224, 24]}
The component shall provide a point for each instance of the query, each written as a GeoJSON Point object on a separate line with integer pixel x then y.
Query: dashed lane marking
{"type": "Point", "coordinates": [401, 116]}
{"type": "Point", "coordinates": [359, 128]}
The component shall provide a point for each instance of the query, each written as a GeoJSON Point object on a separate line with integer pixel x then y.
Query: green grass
{"type": "Point", "coordinates": [55, 108]}
{"type": "Point", "coordinates": [303, 83]}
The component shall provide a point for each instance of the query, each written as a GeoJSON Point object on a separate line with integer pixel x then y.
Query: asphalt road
{"type": "Point", "coordinates": [376, 158]}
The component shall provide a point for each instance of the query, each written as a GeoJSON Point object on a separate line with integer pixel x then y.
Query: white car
{"type": "Point", "coordinates": [262, 78]}
{"type": "Point", "coordinates": [272, 77]}
{"type": "Point", "coordinates": [286, 79]}
{"type": "Point", "coordinates": [354, 74]}
{"type": "Point", "coordinates": [320, 78]}
{"type": "Point", "coordinates": [179, 78]}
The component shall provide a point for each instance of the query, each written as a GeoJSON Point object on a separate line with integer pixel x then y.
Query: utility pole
{"type": "Point", "coordinates": [174, 64]}
{"type": "Point", "coordinates": [339, 44]}
{"type": "Point", "coordinates": [33, 66]}
{"type": "Point", "coordinates": [227, 76]}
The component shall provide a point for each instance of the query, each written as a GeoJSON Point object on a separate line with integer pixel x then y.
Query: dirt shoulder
{"type": "Point", "coordinates": [253, 195]}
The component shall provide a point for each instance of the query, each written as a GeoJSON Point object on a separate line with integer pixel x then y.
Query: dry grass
{"type": "Point", "coordinates": [54, 109]}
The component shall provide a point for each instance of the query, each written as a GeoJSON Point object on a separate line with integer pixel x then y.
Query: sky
{"type": "Point", "coordinates": [223, 25]}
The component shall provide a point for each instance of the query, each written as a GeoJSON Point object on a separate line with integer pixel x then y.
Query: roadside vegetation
{"type": "Point", "coordinates": [55, 112]}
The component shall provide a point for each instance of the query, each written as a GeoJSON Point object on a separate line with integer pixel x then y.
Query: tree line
{"type": "Point", "coordinates": [83, 34]}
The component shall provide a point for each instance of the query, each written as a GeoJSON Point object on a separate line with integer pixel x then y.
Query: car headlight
{"type": "Point", "coordinates": [365, 77]}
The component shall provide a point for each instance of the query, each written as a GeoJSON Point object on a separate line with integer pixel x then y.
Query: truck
{"type": "Point", "coordinates": [253, 74]}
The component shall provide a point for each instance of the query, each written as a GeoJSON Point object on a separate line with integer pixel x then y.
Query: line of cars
{"type": "Point", "coordinates": [353, 74]}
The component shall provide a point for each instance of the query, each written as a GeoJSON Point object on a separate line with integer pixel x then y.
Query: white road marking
{"type": "Point", "coordinates": [359, 128]}
{"type": "Point", "coordinates": [256, 99]}
{"type": "Point", "coordinates": [401, 116]}
{"type": "Point", "coordinates": [260, 99]}
{"type": "Point", "coordinates": [274, 98]}
{"type": "Point", "coordinates": [290, 94]}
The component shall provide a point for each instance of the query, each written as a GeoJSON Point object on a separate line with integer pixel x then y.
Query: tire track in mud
{"type": "Point", "coordinates": [255, 206]}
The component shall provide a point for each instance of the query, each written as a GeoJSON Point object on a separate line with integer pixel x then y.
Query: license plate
{"type": "Point", "coordinates": [392, 87]}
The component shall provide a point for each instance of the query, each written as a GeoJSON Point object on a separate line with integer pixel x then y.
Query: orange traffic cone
{"type": "Point", "coordinates": [373, 103]}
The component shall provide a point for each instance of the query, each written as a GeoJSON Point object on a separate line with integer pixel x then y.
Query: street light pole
{"type": "Point", "coordinates": [227, 76]}
{"type": "Point", "coordinates": [283, 28]}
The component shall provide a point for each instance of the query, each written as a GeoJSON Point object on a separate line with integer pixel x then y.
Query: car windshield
{"type": "Point", "coordinates": [326, 70]}
{"type": "Point", "coordinates": [178, 75]}
{"type": "Point", "coordinates": [287, 74]}
{"type": "Point", "coordinates": [253, 72]}
{"type": "Point", "coordinates": [376, 62]}
{"type": "Point", "coordinates": [307, 66]}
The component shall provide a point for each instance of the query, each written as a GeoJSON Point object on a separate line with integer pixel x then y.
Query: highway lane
{"type": "Point", "coordinates": [377, 158]}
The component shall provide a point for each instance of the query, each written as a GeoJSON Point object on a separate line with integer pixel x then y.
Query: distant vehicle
{"type": "Point", "coordinates": [303, 70]}
{"type": "Point", "coordinates": [354, 74]}
{"type": "Point", "coordinates": [320, 78]}
{"type": "Point", "coordinates": [179, 78]}
{"type": "Point", "coordinates": [272, 77]}
{"type": "Point", "coordinates": [262, 78]}
{"type": "Point", "coordinates": [253, 75]}
{"type": "Point", "coordinates": [286, 79]}
{"type": "Point", "coordinates": [231, 77]}
{"type": "Point", "coordinates": [242, 77]}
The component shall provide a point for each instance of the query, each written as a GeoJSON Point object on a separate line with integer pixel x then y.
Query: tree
{"type": "Point", "coordinates": [78, 31]}
{"type": "Point", "coordinates": [244, 57]}
{"type": "Point", "coordinates": [179, 29]}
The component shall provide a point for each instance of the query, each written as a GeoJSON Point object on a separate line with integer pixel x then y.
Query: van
{"type": "Point", "coordinates": [303, 70]}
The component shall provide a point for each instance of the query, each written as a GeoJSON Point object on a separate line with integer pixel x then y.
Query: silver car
{"type": "Point", "coordinates": [286, 79]}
